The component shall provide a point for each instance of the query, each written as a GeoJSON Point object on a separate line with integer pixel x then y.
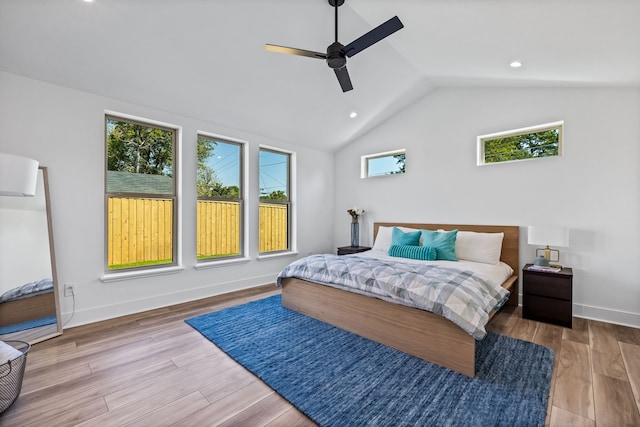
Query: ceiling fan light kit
{"type": "Point", "coordinates": [337, 53]}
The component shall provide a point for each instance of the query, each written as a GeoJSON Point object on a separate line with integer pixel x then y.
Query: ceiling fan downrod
{"type": "Point", "coordinates": [335, 6]}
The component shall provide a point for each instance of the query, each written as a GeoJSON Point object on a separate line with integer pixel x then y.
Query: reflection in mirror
{"type": "Point", "coordinates": [29, 304]}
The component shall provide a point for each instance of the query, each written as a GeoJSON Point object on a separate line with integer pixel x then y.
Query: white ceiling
{"type": "Point", "coordinates": [206, 58]}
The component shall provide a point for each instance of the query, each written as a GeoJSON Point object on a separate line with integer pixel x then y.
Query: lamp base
{"type": "Point", "coordinates": [548, 253]}
{"type": "Point", "coordinates": [541, 261]}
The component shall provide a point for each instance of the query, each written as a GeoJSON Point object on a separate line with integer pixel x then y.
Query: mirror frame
{"type": "Point", "coordinates": [52, 253]}
{"type": "Point", "coordinates": [38, 334]}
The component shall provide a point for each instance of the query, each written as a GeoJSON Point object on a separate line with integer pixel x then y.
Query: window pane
{"type": "Point", "coordinates": [390, 163]}
{"type": "Point", "coordinates": [274, 175]}
{"type": "Point", "coordinates": [139, 232]}
{"type": "Point", "coordinates": [274, 210]}
{"type": "Point", "coordinates": [139, 158]}
{"type": "Point", "coordinates": [218, 168]}
{"type": "Point", "coordinates": [273, 227]}
{"type": "Point", "coordinates": [531, 143]}
{"type": "Point", "coordinates": [140, 194]}
{"type": "Point", "coordinates": [219, 213]}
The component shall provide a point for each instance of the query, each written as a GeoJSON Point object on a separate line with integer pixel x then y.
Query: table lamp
{"type": "Point", "coordinates": [548, 235]}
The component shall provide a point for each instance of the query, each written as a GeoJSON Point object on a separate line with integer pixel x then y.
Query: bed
{"type": "Point", "coordinates": [30, 301]}
{"type": "Point", "coordinates": [412, 330]}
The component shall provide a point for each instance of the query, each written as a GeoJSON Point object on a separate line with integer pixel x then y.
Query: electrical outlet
{"type": "Point", "coordinates": [69, 289]}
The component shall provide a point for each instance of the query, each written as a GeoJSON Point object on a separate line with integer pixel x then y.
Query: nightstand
{"type": "Point", "coordinates": [347, 250]}
{"type": "Point", "coordinates": [548, 297]}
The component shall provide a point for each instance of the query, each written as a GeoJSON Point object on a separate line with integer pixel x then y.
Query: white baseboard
{"type": "Point", "coordinates": [607, 315]}
{"type": "Point", "coordinates": [106, 312]}
{"type": "Point", "coordinates": [97, 314]}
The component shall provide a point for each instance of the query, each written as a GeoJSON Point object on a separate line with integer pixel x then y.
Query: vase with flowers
{"type": "Point", "coordinates": [355, 226]}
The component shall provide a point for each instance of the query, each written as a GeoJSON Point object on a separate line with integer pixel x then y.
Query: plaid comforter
{"type": "Point", "coordinates": [459, 295]}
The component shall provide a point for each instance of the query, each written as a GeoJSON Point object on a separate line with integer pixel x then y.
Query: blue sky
{"type": "Point", "coordinates": [382, 165]}
{"type": "Point", "coordinates": [273, 172]}
{"type": "Point", "coordinates": [273, 167]}
{"type": "Point", "coordinates": [224, 161]}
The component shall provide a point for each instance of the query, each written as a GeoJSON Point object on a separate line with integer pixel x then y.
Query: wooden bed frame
{"type": "Point", "coordinates": [417, 332]}
{"type": "Point", "coordinates": [24, 309]}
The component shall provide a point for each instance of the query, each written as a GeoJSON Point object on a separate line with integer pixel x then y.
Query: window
{"type": "Point", "coordinates": [528, 143]}
{"type": "Point", "coordinates": [220, 204]}
{"type": "Point", "coordinates": [140, 194]}
{"type": "Point", "coordinates": [275, 201]}
{"type": "Point", "coordinates": [380, 164]}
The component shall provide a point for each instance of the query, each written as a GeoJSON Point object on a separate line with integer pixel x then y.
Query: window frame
{"type": "Point", "coordinates": [289, 203]}
{"type": "Point", "coordinates": [242, 200]}
{"type": "Point", "coordinates": [482, 139]}
{"type": "Point", "coordinates": [176, 131]}
{"type": "Point", "coordinates": [364, 162]}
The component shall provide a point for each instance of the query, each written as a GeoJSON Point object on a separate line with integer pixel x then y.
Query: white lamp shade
{"type": "Point", "coordinates": [18, 175]}
{"type": "Point", "coordinates": [549, 235]}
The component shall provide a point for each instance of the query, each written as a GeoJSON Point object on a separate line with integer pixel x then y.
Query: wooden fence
{"type": "Point", "coordinates": [273, 227]}
{"type": "Point", "coordinates": [139, 231]}
{"type": "Point", "coordinates": [218, 227]}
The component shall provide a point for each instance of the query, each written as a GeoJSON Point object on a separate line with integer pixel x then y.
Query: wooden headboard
{"type": "Point", "coordinates": [510, 243]}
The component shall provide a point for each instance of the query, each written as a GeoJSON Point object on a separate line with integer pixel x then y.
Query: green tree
{"type": "Point", "coordinates": [518, 147]}
{"type": "Point", "coordinates": [205, 150]}
{"type": "Point", "coordinates": [400, 161]}
{"type": "Point", "coordinates": [137, 148]}
{"type": "Point", "coordinates": [275, 195]}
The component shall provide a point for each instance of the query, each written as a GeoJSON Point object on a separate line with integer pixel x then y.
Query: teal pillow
{"type": "Point", "coordinates": [399, 237]}
{"type": "Point", "coordinates": [425, 253]}
{"type": "Point", "coordinates": [443, 241]}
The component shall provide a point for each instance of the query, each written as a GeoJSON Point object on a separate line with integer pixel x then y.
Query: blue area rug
{"type": "Point", "coordinates": [30, 324]}
{"type": "Point", "coordinates": [340, 379]}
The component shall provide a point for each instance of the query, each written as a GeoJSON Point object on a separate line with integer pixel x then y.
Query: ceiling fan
{"type": "Point", "coordinates": [337, 54]}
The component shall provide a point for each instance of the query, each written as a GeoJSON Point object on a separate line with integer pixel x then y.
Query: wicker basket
{"type": "Point", "coordinates": [11, 374]}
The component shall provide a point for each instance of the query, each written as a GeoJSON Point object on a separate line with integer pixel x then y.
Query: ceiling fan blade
{"type": "Point", "coordinates": [294, 51]}
{"type": "Point", "coordinates": [343, 77]}
{"type": "Point", "coordinates": [374, 36]}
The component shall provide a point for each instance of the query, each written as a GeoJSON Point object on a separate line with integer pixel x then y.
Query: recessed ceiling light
{"type": "Point", "coordinates": [88, 1]}
{"type": "Point", "coordinates": [353, 115]}
{"type": "Point", "coordinates": [515, 64]}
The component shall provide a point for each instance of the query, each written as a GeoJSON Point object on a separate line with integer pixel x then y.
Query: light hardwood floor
{"type": "Point", "coordinates": [152, 369]}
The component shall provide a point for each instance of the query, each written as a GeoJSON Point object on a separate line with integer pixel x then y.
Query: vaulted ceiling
{"type": "Point", "coordinates": [206, 58]}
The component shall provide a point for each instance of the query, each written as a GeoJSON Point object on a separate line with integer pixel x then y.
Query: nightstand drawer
{"type": "Point", "coordinates": [548, 285]}
{"type": "Point", "coordinates": [548, 310]}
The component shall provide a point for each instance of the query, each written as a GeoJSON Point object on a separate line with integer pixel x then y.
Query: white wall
{"type": "Point", "coordinates": [63, 129]}
{"type": "Point", "coordinates": [594, 188]}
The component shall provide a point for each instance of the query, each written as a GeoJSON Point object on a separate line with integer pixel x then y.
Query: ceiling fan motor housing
{"type": "Point", "coordinates": [335, 56]}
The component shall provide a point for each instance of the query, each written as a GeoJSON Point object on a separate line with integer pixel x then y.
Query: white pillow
{"type": "Point", "coordinates": [479, 247]}
{"type": "Point", "coordinates": [8, 353]}
{"type": "Point", "coordinates": [383, 238]}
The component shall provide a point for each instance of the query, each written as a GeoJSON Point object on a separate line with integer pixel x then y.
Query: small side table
{"type": "Point", "coordinates": [347, 250]}
{"type": "Point", "coordinates": [548, 296]}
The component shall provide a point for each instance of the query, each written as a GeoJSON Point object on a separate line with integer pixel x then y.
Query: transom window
{"type": "Point", "coordinates": [380, 164]}
{"type": "Point", "coordinates": [521, 144]}
{"type": "Point", "coordinates": [220, 202]}
{"type": "Point", "coordinates": [140, 193]}
{"type": "Point", "coordinates": [275, 201]}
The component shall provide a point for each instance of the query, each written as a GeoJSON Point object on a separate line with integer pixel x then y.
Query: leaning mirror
{"type": "Point", "coordinates": [29, 304]}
